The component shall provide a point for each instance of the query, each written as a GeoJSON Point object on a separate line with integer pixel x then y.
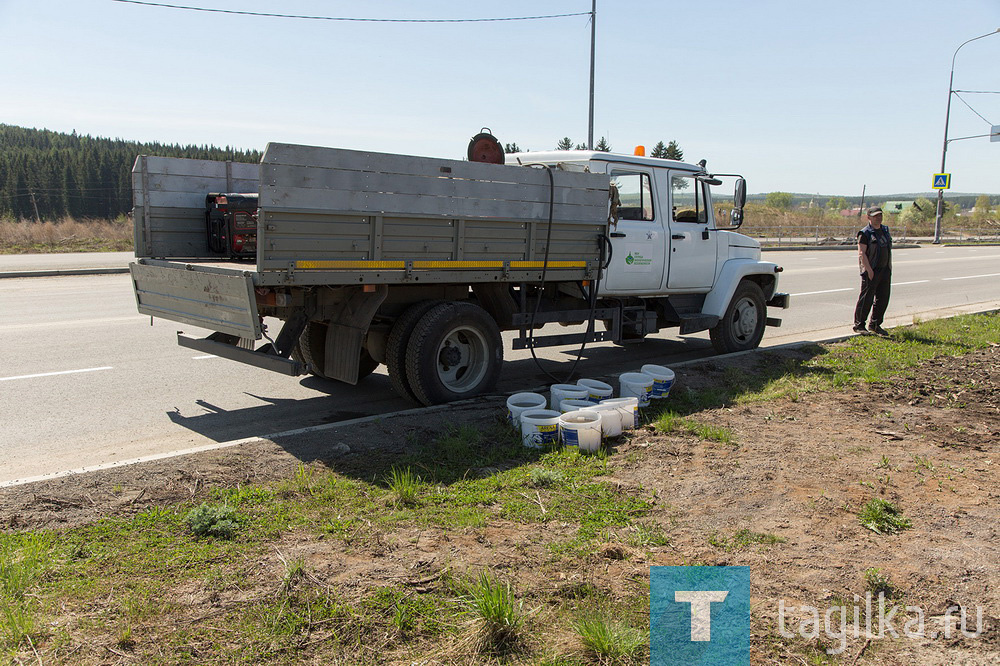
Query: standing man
{"type": "Point", "coordinates": [875, 260]}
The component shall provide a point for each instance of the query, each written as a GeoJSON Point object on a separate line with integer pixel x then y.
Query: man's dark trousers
{"type": "Point", "coordinates": [874, 296]}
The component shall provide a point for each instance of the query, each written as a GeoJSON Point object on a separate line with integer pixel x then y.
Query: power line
{"type": "Point", "coordinates": [971, 109]}
{"type": "Point", "coordinates": [345, 18]}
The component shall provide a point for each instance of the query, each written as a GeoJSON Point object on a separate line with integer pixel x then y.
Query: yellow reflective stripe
{"type": "Point", "coordinates": [458, 264]}
{"type": "Point", "coordinates": [350, 264]}
{"type": "Point", "coordinates": [552, 264]}
{"type": "Point", "coordinates": [357, 264]}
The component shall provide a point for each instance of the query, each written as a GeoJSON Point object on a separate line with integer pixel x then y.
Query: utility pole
{"type": "Point", "coordinates": [944, 148]}
{"type": "Point", "coordinates": [38, 218]}
{"type": "Point", "coordinates": [593, 40]}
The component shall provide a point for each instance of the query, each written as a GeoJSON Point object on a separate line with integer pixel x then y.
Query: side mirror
{"type": "Point", "coordinates": [739, 200]}
{"type": "Point", "coordinates": [740, 196]}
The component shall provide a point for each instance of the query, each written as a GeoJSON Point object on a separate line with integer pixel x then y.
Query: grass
{"type": "Point", "coordinates": [609, 642]}
{"type": "Point", "coordinates": [405, 485]}
{"type": "Point", "coordinates": [124, 580]}
{"type": "Point", "coordinates": [861, 359]}
{"type": "Point", "coordinates": [66, 235]}
{"type": "Point", "coordinates": [671, 422]}
{"type": "Point", "coordinates": [744, 538]}
{"type": "Point", "coordinates": [496, 610]}
{"type": "Point", "coordinates": [882, 517]}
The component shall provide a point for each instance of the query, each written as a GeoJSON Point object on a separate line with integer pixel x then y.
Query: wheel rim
{"type": "Point", "coordinates": [744, 319]}
{"type": "Point", "coordinates": [461, 359]}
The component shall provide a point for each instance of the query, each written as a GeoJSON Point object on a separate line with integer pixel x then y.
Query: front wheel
{"type": "Point", "coordinates": [455, 352]}
{"type": "Point", "coordinates": [742, 327]}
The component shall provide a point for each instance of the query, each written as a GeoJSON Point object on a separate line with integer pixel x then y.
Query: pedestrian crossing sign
{"type": "Point", "coordinates": [942, 181]}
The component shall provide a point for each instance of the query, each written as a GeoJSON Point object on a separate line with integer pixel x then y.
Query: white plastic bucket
{"type": "Point", "coordinates": [636, 385]}
{"type": "Point", "coordinates": [663, 379]}
{"type": "Point", "coordinates": [540, 428]}
{"type": "Point", "coordinates": [573, 404]}
{"type": "Point", "coordinates": [581, 430]}
{"type": "Point", "coordinates": [521, 402]}
{"type": "Point", "coordinates": [596, 390]}
{"type": "Point", "coordinates": [611, 419]}
{"type": "Point", "coordinates": [629, 410]}
{"type": "Point", "coordinates": [560, 392]}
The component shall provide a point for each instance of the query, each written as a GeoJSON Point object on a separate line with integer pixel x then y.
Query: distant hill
{"type": "Point", "coordinates": [48, 175]}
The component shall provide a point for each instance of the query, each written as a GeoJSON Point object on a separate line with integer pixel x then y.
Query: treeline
{"type": "Point", "coordinates": [47, 175]}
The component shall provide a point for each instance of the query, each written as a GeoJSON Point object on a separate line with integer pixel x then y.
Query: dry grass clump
{"type": "Point", "coordinates": [65, 235]}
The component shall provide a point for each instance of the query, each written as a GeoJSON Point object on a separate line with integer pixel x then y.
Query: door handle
{"type": "Point", "coordinates": [617, 234]}
{"type": "Point", "coordinates": [678, 236]}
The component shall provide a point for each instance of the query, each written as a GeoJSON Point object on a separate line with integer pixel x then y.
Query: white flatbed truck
{"type": "Point", "coordinates": [419, 263]}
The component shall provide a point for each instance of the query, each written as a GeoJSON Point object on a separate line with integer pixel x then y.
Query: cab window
{"type": "Point", "coordinates": [688, 200]}
{"type": "Point", "coordinates": [635, 192]}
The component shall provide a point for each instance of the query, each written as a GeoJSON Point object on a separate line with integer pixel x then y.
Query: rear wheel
{"type": "Point", "coordinates": [395, 346]}
{"type": "Point", "coordinates": [455, 352]}
{"type": "Point", "coordinates": [742, 327]}
{"type": "Point", "coordinates": [311, 350]}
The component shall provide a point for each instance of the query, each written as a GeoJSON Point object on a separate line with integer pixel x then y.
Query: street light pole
{"type": "Point", "coordinates": [593, 39]}
{"type": "Point", "coordinates": [944, 149]}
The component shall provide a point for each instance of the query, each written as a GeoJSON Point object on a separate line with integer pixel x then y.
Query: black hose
{"type": "Point", "coordinates": [604, 243]}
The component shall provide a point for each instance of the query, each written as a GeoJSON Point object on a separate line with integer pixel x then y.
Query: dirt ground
{"type": "Point", "coordinates": [797, 470]}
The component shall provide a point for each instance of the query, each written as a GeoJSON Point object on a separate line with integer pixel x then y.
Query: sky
{"type": "Point", "coordinates": [798, 96]}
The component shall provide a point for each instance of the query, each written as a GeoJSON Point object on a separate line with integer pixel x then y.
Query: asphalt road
{"type": "Point", "coordinates": [86, 381]}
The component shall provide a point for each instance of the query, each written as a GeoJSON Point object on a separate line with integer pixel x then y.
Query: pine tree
{"type": "Point", "coordinates": [603, 146]}
{"type": "Point", "coordinates": [673, 152]}
{"type": "Point", "coordinates": [565, 143]}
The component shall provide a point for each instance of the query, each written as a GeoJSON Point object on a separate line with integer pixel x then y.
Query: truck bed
{"type": "Point", "coordinates": [338, 217]}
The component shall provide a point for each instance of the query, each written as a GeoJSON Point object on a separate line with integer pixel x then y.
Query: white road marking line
{"type": "Point", "coordinates": [52, 374]}
{"type": "Point", "coordinates": [970, 277]}
{"type": "Point", "coordinates": [809, 258]}
{"type": "Point", "coordinates": [825, 291]}
{"type": "Point", "coordinates": [201, 358]}
{"type": "Point", "coordinates": [900, 284]}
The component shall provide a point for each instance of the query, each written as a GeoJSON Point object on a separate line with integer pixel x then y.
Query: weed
{"type": "Point", "coordinates": [405, 485]}
{"type": "Point", "coordinates": [923, 462]}
{"type": "Point", "coordinates": [541, 478]}
{"type": "Point", "coordinates": [744, 538]}
{"type": "Point", "coordinates": [215, 521]}
{"type": "Point", "coordinates": [878, 583]}
{"type": "Point", "coordinates": [882, 517]}
{"type": "Point", "coordinates": [671, 421]}
{"type": "Point", "coordinates": [883, 463]}
{"type": "Point", "coordinates": [645, 534]}
{"type": "Point", "coordinates": [609, 642]}
{"type": "Point", "coordinates": [500, 615]}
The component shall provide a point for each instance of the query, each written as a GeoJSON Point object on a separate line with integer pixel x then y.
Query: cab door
{"type": "Point", "coordinates": [637, 241]}
{"type": "Point", "coordinates": [693, 238]}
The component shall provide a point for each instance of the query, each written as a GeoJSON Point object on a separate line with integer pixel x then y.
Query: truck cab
{"type": "Point", "coordinates": [665, 237]}
{"type": "Point", "coordinates": [673, 244]}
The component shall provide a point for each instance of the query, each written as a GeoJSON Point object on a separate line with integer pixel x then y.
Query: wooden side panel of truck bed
{"type": "Point", "coordinates": [334, 216]}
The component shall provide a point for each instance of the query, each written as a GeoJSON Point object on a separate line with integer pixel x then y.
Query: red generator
{"type": "Point", "coordinates": [232, 224]}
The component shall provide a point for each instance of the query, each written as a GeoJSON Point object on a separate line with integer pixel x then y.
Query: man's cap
{"type": "Point", "coordinates": [875, 210]}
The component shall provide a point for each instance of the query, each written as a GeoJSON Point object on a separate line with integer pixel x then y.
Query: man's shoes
{"type": "Point", "coordinates": [860, 329]}
{"type": "Point", "coordinates": [878, 330]}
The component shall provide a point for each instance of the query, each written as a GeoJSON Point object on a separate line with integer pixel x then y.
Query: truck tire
{"type": "Point", "coordinates": [455, 352]}
{"type": "Point", "coordinates": [742, 326]}
{"type": "Point", "coordinates": [311, 350]}
{"type": "Point", "coordinates": [395, 347]}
